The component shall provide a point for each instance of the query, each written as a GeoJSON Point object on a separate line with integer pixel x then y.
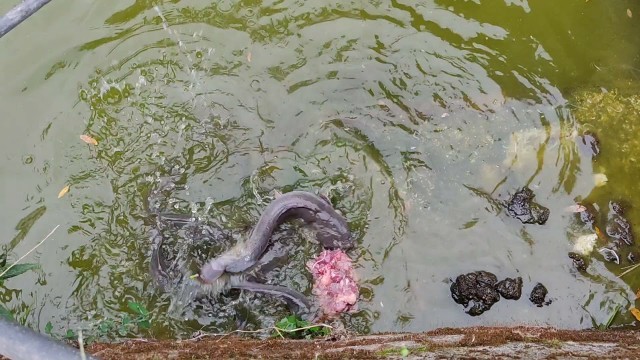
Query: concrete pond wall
{"type": "Point", "coordinates": [477, 343]}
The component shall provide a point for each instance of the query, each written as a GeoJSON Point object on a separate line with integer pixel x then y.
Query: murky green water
{"type": "Point", "coordinates": [396, 109]}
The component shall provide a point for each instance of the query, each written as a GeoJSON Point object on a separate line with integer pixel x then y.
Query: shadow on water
{"type": "Point", "coordinates": [417, 121]}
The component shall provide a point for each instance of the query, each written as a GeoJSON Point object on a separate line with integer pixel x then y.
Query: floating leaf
{"type": "Point", "coordinates": [16, 270]}
{"type": "Point", "coordinates": [295, 327]}
{"type": "Point", "coordinates": [64, 191]}
{"type": "Point", "coordinates": [88, 139]}
{"type": "Point", "coordinates": [636, 313]}
{"type": "Point", "coordinates": [630, 15]}
{"type": "Point", "coordinates": [287, 323]}
{"type": "Point", "coordinates": [5, 313]}
{"type": "Point", "coordinates": [575, 208]}
{"type": "Point", "coordinates": [600, 233]}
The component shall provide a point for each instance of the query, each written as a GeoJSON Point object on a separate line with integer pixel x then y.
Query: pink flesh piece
{"type": "Point", "coordinates": [334, 282]}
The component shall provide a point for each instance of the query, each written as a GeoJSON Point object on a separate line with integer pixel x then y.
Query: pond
{"type": "Point", "coordinates": [416, 118]}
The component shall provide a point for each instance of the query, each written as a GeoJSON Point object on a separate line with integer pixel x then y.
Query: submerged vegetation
{"type": "Point", "coordinates": [8, 272]}
{"type": "Point", "coordinates": [615, 118]}
{"type": "Point", "coordinates": [109, 328]}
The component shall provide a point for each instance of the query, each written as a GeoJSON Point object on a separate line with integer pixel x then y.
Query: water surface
{"type": "Point", "coordinates": [405, 113]}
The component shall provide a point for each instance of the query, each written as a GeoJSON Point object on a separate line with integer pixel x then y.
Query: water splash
{"type": "Point", "coordinates": [195, 83]}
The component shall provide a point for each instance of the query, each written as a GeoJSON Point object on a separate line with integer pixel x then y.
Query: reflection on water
{"type": "Point", "coordinates": [417, 118]}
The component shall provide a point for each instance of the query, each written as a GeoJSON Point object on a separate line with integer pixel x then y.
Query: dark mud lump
{"type": "Point", "coordinates": [476, 288]}
{"type": "Point", "coordinates": [510, 288]}
{"type": "Point", "coordinates": [538, 295]}
{"type": "Point", "coordinates": [522, 207]}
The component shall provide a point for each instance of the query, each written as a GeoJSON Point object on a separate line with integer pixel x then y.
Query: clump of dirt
{"type": "Point", "coordinates": [477, 289]}
{"type": "Point", "coordinates": [538, 295]}
{"type": "Point", "coordinates": [522, 207]}
{"type": "Point", "coordinates": [510, 288]}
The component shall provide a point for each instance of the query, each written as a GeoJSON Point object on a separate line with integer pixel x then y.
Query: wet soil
{"type": "Point", "coordinates": [482, 343]}
{"type": "Point", "coordinates": [478, 291]}
{"type": "Point", "coordinates": [523, 207]}
{"type": "Point", "coordinates": [509, 288]}
{"type": "Point", "coordinates": [538, 295]}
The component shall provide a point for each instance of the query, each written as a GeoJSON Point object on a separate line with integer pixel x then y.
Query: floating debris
{"type": "Point", "coordinates": [610, 255]}
{"type": "Point", "coordinates": [618, 227]}
{"type": "Point", "coordinates": [88, 139]}
{"type": "Point", "coordinates": [600, 179]}
{"type": "Point", "coordinates": [64, 191]}
{"type": "Point", "coordinates": [578, 261]}
{"type": "Point", "coordinates": [575, 208]}
{"type": "Point", "coordinates": [585, 244]}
